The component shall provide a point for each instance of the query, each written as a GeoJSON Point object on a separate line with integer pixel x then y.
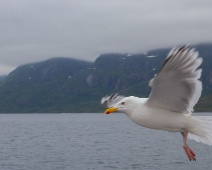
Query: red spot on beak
{"type": "Point", "coordinates": [107, 112]}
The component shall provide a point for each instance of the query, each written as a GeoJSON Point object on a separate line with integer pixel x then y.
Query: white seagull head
{"type": "Point", "coordinates": [126, 105]}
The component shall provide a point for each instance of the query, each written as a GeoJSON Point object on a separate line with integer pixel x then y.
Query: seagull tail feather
{"type": "Point", "coordinates": [203, 132]}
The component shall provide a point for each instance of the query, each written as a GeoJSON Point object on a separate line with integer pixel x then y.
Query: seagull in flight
{"type": "Point", "coordinates": [176, 88]}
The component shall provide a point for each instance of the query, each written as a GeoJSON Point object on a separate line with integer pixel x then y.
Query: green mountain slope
{"type": "Point", "coordinates": [68, 85]}
{"type": "Point", "coordinates": [204, 104]}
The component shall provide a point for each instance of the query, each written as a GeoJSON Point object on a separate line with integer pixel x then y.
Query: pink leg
{"type": "Point", "coordinates": [190, 154]}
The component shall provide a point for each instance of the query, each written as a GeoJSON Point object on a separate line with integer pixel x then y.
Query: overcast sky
{"type": "Point", "coordinates": [36, 30]}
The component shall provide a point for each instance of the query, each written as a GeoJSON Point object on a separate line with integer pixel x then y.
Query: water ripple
{"type": "Point", "coordinates": [91, 142]}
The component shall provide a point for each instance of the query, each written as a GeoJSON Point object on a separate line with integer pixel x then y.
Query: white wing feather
{"type": "Point", "coordinates": [109, 101]}
{"type": "Point", "coordinates": [176, 86]}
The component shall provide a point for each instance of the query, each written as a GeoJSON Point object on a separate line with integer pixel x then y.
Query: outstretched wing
{"type": "Point", "coordinates": [176, 86]}
{"type": "Point", "coordinates": [109, 101]}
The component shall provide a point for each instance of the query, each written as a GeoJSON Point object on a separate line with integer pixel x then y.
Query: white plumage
{"type": "Point", "coordinates": [175, 90]}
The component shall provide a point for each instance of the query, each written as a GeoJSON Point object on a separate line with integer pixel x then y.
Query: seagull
{"type": "Point", "coordinates": [176, 89]}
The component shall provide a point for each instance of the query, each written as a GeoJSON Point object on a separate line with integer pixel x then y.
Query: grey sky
{"type": "Point", "coordinates": [35, 30]}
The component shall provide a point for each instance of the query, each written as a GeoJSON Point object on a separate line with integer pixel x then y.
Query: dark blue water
{"type": "Point", "coordinates": [91, 142]}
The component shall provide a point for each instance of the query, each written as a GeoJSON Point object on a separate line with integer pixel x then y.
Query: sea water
{"type": "Point", "coordinates": [92, 141]}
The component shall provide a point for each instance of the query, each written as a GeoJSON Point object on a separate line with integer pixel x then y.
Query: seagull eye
{"type": "Point", "coordinates": [123, 103]}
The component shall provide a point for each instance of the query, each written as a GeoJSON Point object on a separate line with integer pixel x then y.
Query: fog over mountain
{"type": "Point", "coordinates": [38, 30]}
{"type": "Point", "coordinates": [70, 85]}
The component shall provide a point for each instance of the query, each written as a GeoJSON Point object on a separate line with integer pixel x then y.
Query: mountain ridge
{"type": "Point", "coordinates": [67, 85]}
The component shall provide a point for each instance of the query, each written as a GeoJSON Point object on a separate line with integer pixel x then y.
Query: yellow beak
{"type": "Point", "coordinates": [110, 110]}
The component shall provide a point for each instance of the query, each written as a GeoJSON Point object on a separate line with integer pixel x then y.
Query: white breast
{"type": "Point", "coordinates": [160, 119]}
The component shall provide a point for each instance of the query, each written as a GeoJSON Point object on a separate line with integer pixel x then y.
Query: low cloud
{"type": "Point", "coordinates": [37, 30]}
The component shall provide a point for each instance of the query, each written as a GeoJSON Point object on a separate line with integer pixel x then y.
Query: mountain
{"type": "Point", "coordinates": [69, 85]}
{"type": "Point", "coordinates": [40, 87]}
{"type": "Point", "coordinates": [2, 77]}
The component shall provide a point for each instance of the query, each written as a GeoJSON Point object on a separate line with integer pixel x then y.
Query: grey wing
{"type": "Point", "coordinates": [176, 86]}
{"type": "Point", "coordinates": [109, 101]}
